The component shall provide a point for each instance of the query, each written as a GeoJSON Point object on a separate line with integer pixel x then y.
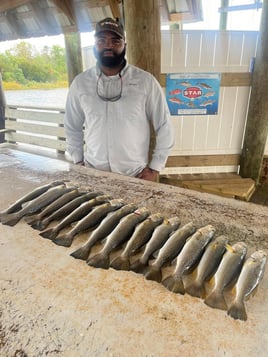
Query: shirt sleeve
{"type": "Point", "coordinates": [158, 113]}
{"type": "Point", "coordinates": [73, 123]}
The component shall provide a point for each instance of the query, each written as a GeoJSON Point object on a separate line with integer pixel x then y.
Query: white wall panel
{"type": "Point", "coordinates": [210, 51]}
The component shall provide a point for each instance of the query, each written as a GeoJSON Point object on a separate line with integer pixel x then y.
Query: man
{"type": "Point", "coordinates": [116, 102]}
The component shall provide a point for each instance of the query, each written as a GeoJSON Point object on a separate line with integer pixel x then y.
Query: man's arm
{"type": "Point", "coordinates": [73, 124]}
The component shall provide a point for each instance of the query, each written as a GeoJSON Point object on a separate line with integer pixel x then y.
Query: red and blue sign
{"type": "Point", "coordinates": [193, 93]}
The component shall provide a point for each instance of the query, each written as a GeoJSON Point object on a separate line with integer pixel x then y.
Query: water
{"type": "Point", "coordinates": [44, 98]}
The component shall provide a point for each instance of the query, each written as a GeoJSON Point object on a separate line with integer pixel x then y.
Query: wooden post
{"type": "Point", "coordinates": [224, 15]}
{"type": "Point", "coordinates": [142, 24]}
{"type": "Point", "coordinates": [73, 55]}
{"type": "Point", "coordinates": [2, 110]}
{"type": "Point", "coordinates": [257, 120]}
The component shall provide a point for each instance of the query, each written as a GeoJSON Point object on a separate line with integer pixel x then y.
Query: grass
{"type": "Point", "coordinates": [34, 85]}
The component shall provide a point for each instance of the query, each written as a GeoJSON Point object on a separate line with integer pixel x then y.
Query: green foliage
{"type": "Point", "coordinates": [25, 65]}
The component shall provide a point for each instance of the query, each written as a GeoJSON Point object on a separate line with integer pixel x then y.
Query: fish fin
{"type": "Point", "coordinates": [49, 234]}
{"type": "Point", "coordinates": [37, 225]}
{"type": "Point", "coordinates": [10, 219]}
{"type": "Point", "coordinates": [237, 311]}
{"type": "Point", "coordinates": [120, 263]}
{"type": "Point", "coordinates": [195, 289]}
{"type": "Point", "coordinates": [81, 253]}
{"type": "Point", "coordinates": [174, 284]}
{"type": "Point", "coordinates": [41, 225]}
{"type": "Point", "coordinates": [138, 266]}
{"type": "Point", "coordinates": [152, 273]}
{"type": "Point", "coordinates": [64, 240]}
{"type": "Point", "coordinates": [100, 260]}
{"type": "Point", "coordinates": [216, 300]}
{"type": "Point", "coordinates": [31, 219]}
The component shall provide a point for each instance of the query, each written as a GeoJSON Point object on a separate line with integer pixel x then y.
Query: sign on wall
{"type": "Point", "coordinates": [193, 93]}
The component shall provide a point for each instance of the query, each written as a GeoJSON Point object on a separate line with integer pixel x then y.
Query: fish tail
{"type": "Point", "coordinates": [195, 289]}
{"type": "Point", "coordinates": [41, 225]}
{"type": "Point", "coordinates": [37, 225]}
{"type": "Point", "coordinates": [138, 266]}
{"type": "Point", "coordinates": [216, 300]}
{"type": "Point", "coordinates": [10, 219]}
{"type": "Point", "coordinates": [120, 263]}
{"type": "Point", "coordinates": [65, 240]}
{"type": "Point", "coordinates": [31, 219]}
{"type": "Point", "coordinates": [238, 311]}
{"type": "Point", "coordinates": [49, 234]}
{"type": "Point", "coordinates": [174, 284]}
{"type": "Point", "coordinates": [81, 253]}
{"type": "Point", "coordinates": [100, 260]}
{"type": "Point", "coordinates": [153, 273]}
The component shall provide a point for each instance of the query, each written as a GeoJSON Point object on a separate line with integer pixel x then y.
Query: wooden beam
{"type": "Point", "coordinates": [142, 22]}
{"type": "Point", "coordinates": [230, 79]}
{"type": "Point", "coordinates": [2, 109]}
{"type": "Point", "coordinates": [114, 5]}
{"type": "Point", "coordinates": [257, 120]}
{"type": "Point", "coordinates": [203, 160]}
{"type": "Point", "coordinates": [66, 7]}
{"type": "Point", "coordinates": [73, 55]}
{"type": "Point", "coordinates": [7, 5]}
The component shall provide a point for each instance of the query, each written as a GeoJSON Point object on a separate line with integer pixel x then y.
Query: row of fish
{"type": "Point", "coordinates": [204, 265]}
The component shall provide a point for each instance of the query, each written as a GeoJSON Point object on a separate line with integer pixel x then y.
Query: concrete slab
{"type": "Point", "coordinates": [52, 304]}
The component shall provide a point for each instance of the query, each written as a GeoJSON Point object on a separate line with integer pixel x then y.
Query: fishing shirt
{"type": "Point", "coordinates": [117, 134]}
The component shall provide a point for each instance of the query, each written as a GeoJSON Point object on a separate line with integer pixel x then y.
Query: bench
{"type": "Point", "coordinates": [44, 128]}
{"type": "Point", "coordinates": [226, 184]}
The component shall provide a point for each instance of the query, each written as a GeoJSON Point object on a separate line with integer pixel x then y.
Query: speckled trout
{"type": "Point", "coordinates": [106, 226]}
{"type": "Point", "coordinates": [119, 235]}
{"type": "Point", "coordinates": [207, 266]}
{"type": "Point", "coordinates": [65, 210]}
{"type": "Point", "coordinates": [92, 219]}
{"type": "Point", "coordinates": [16, 206]}
{"type": "Point", "coordinates": [74, 216]}
{"type": "Point", "coordinates": [249, 279]}
{"type": "Point", "coordinates": [228, 270]}
{"type": "Point", "coordinates": [189, 255]}
{"type": "Point", "coordinates": [158, 239]}
{"type": "Point", "coordinates": [35, 205]}
{"type": "Point", "coordinates": [52, 207]}
{"type": "Point", "coordinates": [141, 235]}
{"type": "Point", "coordinates": [169, 251]}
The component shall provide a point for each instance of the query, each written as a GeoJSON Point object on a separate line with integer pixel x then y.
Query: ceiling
{"type": "Point", "coordinates": [21, 19]}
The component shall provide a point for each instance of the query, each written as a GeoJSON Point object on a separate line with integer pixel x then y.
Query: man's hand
{"type": "Point", "coordinates": [148, 174]}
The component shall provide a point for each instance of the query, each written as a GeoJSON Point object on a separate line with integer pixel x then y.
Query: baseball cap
{"type": "Point", "coordinates": [110, 24]}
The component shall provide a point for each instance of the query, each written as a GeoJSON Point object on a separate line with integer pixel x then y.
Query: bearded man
{"type": "Point", "coordinates": [109, 108]}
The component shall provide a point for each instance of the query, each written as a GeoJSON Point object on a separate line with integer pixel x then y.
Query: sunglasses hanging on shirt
{"type": "Point", "coordinates": [110, 99]}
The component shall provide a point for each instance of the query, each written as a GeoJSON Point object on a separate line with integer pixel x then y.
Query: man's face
{"type": "Point", "coordinates": [109, 49]}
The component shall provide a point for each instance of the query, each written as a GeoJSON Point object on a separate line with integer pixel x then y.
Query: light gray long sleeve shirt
{"type": "Point", "coordinates": [117, 134]}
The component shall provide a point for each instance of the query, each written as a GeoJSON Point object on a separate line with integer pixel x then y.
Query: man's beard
{"type": "Point", "coordinates": [109, 61]}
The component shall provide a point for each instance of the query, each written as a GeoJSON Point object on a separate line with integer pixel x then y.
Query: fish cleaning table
{"type": "Point", "coordinates": [54, 305]}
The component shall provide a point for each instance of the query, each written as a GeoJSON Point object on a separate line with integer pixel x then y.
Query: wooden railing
{"type": "Point", "coordinates": [43, 127]}
{"type": "Point", "coordinates": [35, 126]}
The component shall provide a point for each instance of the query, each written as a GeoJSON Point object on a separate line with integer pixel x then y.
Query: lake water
{"type": "Point", "coordinates": [55, 98]}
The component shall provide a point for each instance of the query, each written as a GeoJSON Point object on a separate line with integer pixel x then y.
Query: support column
{"type": "Point", "coordinates": [142, 24]}
{"type": "Point", "coordinates": [257, 120]}
{"type": "Point", "coordinates": [2, 110]}
{"type": "Point", "coordinates": [73, 54]}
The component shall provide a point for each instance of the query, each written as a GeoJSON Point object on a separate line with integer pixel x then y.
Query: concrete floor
{"type": "Point", "coordinates": [54, 305]}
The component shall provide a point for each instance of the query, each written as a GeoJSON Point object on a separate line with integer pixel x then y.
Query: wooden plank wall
{"type": "Point", "coordinates": [226, 52]}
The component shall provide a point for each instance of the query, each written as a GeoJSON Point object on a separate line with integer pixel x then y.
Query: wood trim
{"type": "Point", "coordinates": [14, 125]}
{"type": "Point", "coordinates": [228, 79]}
{"type": "Point", "coordinates": [203, 160]}
{"type": "Point", "coordinates": [35, 140]}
